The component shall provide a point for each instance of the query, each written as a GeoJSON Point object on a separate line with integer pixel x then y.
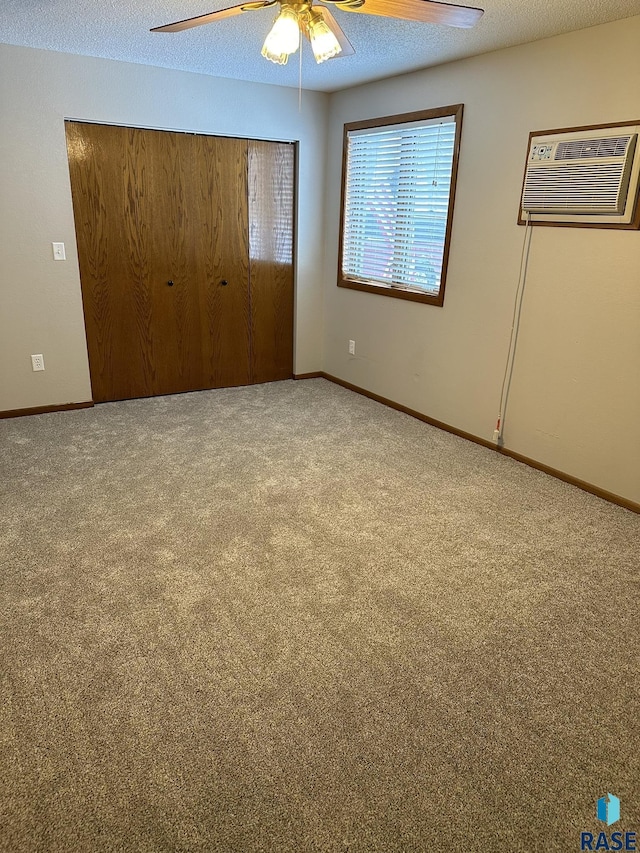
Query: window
{"type": "Point", "coordinates": [398, 187]}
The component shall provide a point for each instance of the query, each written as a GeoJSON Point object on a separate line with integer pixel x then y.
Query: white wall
{"type": "Point", "coordinates": [40, 300]}
{"type": "Point", "coordinates": [575, 399]}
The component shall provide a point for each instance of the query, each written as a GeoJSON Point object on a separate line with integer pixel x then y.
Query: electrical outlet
{"type": "Point", "coordinates": [37, 362]}
{"type": "Point", "coordinates": [352, 347]}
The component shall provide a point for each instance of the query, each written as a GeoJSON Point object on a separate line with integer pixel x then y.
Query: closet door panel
{"type": "Point", "coordinates": [106, 185]}
{"type": "Point", "coordinates": [271, 240]}
{"type": "Point", "coordinates": [170, 215]}
{"type": "Point", "coordinates": [223, 247]}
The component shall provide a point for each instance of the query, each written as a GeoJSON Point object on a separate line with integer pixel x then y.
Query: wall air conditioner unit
{"type": "Point", "coordinates": [583, 176]}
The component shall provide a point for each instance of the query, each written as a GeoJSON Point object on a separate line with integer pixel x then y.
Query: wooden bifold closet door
{"type": "Point", "coordinates": [185, 247]}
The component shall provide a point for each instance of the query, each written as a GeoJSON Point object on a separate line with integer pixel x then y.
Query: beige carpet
{"type": "Point", "coordinates": [285, 618]}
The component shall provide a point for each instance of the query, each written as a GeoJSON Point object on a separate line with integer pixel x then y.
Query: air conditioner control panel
{"type": "Point", "coordinates": [541, 152]}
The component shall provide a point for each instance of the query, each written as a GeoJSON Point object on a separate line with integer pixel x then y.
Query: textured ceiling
{"type": "Point", "coordinates": [231, 48]}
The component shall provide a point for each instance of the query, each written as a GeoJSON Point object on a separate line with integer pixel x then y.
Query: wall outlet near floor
{"type": "Point", "coordinates": [37, 362]}
{"type": "Point", "coordinates": [352, 347]}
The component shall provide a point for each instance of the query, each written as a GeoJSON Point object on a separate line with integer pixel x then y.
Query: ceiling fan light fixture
{"type": "Point", "coordinates": [283, 38]}
{"type": "Point", "coordinates": [318, 25]}
{"type": "Point", "coordinates": [323, 42]}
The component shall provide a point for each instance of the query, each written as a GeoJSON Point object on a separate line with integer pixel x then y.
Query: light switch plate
{"type": "Point", "coordinates": [58, 252]}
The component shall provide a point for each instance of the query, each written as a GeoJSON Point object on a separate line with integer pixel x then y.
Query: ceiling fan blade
{"type": "Point", "coordinates": [178, 26]}
{"type": "Point", "coordinates": [426, 11]}
{"type": "Point", "coordinates": [336, 29]}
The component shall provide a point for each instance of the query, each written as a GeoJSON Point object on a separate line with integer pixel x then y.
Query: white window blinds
{"type": "Point", "coordinates": [396, 204]}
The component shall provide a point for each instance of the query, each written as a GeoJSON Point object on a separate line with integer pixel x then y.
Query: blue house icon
{"type": "Point", "coordinates": [609, 810]}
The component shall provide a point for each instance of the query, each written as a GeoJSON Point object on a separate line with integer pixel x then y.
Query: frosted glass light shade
{"type": "Point", "coordinates": [323, 42]}
{"type": "Point", "coordinates": [284, 37]}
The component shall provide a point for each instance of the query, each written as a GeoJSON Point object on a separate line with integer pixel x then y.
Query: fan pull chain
{"type": "Point", "coordinates": [300, 79]}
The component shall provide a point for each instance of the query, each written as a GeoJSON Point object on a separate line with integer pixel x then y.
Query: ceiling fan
{"type": "Point", "coordinates": [318, 25]}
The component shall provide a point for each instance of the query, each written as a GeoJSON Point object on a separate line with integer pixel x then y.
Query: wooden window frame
{"type": "Point", "coordinates": [397, 291]}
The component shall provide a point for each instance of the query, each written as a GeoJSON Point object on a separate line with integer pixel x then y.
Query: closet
{"type": "Point", "coordinates": [185, 246]}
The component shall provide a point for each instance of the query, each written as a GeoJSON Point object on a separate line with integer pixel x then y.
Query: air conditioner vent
{"type": "Point", "coordinates": [611, 146]}
{"type": "Point", "coordinates": [575, 188]}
